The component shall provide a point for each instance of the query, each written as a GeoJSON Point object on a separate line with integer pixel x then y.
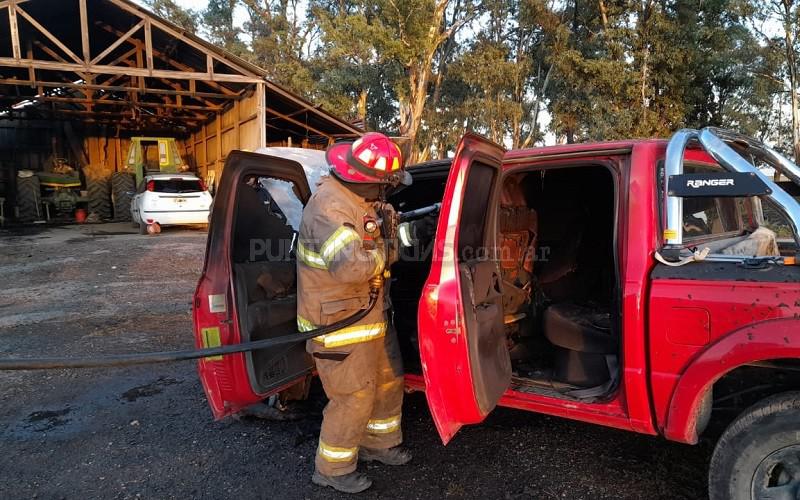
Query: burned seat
{"type": "Point", "coordinates": [585, 344]}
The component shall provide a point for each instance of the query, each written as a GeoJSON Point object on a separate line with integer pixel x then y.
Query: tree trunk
{"type": "Point", "coordinates": [643, 33]}
{"type": "Point", "coordinates": [412, 107]}
{"type": "Point", "coordinates": [792, 70]}
{"type": "Point", "coordinates": [419, 69]}
{"type": "Point", "coordinates": [796, 125]}
{"type": "Point", "coordinates": [603, 13]}
{"type": "Point", "coordinates": [537, 108]}
{"type": "Point", "coordinates": [645, 76]}
{"type": "Point", "coordinates": [362, 107]}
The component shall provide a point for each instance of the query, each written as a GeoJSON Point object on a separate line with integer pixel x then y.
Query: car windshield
{"type": "Point", "coordinates": [177, 185]}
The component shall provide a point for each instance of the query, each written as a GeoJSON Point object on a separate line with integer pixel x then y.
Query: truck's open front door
{"type": "Point", "coordinates": [463, 350]}
{"type": "Point", "coordinates": [247, 289]}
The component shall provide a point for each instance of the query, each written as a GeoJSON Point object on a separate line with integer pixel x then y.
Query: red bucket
{"type": "Point", "coordinates": [80, 215]}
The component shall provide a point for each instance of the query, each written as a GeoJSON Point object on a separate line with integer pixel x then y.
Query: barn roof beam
{"type": "Point", "coordinates": [110, 70]}
{"type": "Point", "coordinates": [192, 122]}
{"type": "Point", "coordinates": [117, 88]}
{"type": "Point", "coordinates": [209, 77]}
{"type": "Point", "coordinates": [119, 41]}
{"type": "Point", "coordinates": [54, 39]}
{"type": "Point", "coordinates": [118, 102]}
{"type": "Point", "coordinates": [186, 38]}
{"type": "Point", "coordinates": [296, 122]}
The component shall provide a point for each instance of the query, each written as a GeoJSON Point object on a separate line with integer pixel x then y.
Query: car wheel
{"type": "Point", "coordinates": [142, 228]}
{"type": "Point", "coordinates": [758, 455]}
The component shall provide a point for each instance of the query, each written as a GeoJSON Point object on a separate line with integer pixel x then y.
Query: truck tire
{"type": "Point", "coordinates": [29, 197]}
{"type": "Point", "coordinates": [758, 455]}
{"type": "Point", "coordinates": [99, 198]}
{"type": "Point", "coordinates": [122, 185]}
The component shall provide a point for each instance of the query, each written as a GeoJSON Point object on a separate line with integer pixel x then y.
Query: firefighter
{"type": "Point", "coordinates": [341, 254]}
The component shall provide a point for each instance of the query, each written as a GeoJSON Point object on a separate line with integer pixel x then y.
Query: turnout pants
{"type": "Point", "coordinates": [364, 385]}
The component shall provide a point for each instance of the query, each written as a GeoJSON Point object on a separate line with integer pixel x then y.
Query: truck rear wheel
{"type": "Point", "coordinates": [122, 187]}
{"type": "Point", "coordinates": [29, 199]}
{"type": "Point", "coordinates": [758, 455]}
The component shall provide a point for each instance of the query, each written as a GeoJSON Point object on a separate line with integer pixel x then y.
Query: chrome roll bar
{"type": "Point", "coordinates": [717, 143]}
{"type": "Point", "coordinates": [760, 150]}
{"type": "Point", "coordinates": [673, 165]}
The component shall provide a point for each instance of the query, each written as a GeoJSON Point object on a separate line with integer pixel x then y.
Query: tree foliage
{"type": "Point", "coordinates": [524, 71]}
{"type": "Point", "coordinates": [187, 19]}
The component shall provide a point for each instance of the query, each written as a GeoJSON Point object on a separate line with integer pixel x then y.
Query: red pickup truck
{"type": "Point", "coordinates": [634, 284]}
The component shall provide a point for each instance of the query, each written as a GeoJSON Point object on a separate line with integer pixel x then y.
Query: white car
{"type": "Point", "coordinates": [170, 199]}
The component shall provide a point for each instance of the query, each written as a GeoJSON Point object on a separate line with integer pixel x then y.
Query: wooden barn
{"type": "Point", "coordinates": [79, 78]}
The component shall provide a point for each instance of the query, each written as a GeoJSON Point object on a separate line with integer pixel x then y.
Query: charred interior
{"type": "Point", "coordinates": [555, 247]}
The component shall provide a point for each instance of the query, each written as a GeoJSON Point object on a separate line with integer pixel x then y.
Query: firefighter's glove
{"type": "Point", "coordinates": [392, 253]}
{"type": "Point", "coordinates": [417, 232]}
{"type": "Point", "coordinates": [389, 220]}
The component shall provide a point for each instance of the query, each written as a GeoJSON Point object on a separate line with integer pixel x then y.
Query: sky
{"type": "Point", "coordinates": [201, 4]}
{"type": "Point", "coordinates": [193, 4]}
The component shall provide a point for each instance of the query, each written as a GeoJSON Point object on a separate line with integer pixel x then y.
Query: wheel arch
{"type": "Point", "coordinates": [766, 341]}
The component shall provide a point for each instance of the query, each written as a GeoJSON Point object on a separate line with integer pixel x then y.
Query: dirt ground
{"type": "Point", "coordinates": [146, 432]}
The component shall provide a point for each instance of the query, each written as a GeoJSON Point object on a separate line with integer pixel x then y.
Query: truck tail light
{"type": "Point", "coordinates": [203, 186]}
{"type": "Point", "coordinates": [210, 315]}
{"type": "Point", "coordinates": [151, 186]}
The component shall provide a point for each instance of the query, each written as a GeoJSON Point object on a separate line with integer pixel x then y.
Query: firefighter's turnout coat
{"type": "Point", "coordinates": [360, 365]}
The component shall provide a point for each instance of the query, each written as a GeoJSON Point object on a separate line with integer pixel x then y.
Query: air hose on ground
{"type": "Point", "coordinates": [146, 358]}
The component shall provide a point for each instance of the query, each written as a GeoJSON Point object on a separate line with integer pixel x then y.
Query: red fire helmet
{"type": "Point", "coordinates": [372, 159]}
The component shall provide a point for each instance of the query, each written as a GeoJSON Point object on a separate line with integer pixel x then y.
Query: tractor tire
{"type": "Point", "coordinates": [122, 187]}
{"type": "Point", "coordinates": [758, 455]}
{"type": "Point", "coordinates": [29, 199]}
{"type": "Point", "coordinates": [99, 198]}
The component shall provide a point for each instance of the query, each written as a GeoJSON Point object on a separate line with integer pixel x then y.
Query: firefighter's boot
{"type": "Point", "coordinates": [355, 482]}
{"type": "Point", "coordinates": [389, 456]}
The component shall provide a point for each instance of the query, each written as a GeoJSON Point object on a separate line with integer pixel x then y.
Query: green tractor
{"type": "Point", "coordinates": [53, 193]}
{"type": "Point", "coordinates": [153, 155]}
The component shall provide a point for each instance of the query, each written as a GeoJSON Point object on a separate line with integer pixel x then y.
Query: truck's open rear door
{"type": "Point", "coordinates": [463, 350]}
{"type": "Point", "coordinates": [246, 290]}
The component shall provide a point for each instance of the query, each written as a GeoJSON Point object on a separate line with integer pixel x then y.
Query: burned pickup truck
{"type": "Point", "coordinates": [634, 284]}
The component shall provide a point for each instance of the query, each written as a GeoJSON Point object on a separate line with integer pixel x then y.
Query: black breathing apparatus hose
{"type": "Point", "coordinates": [147, 358]}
